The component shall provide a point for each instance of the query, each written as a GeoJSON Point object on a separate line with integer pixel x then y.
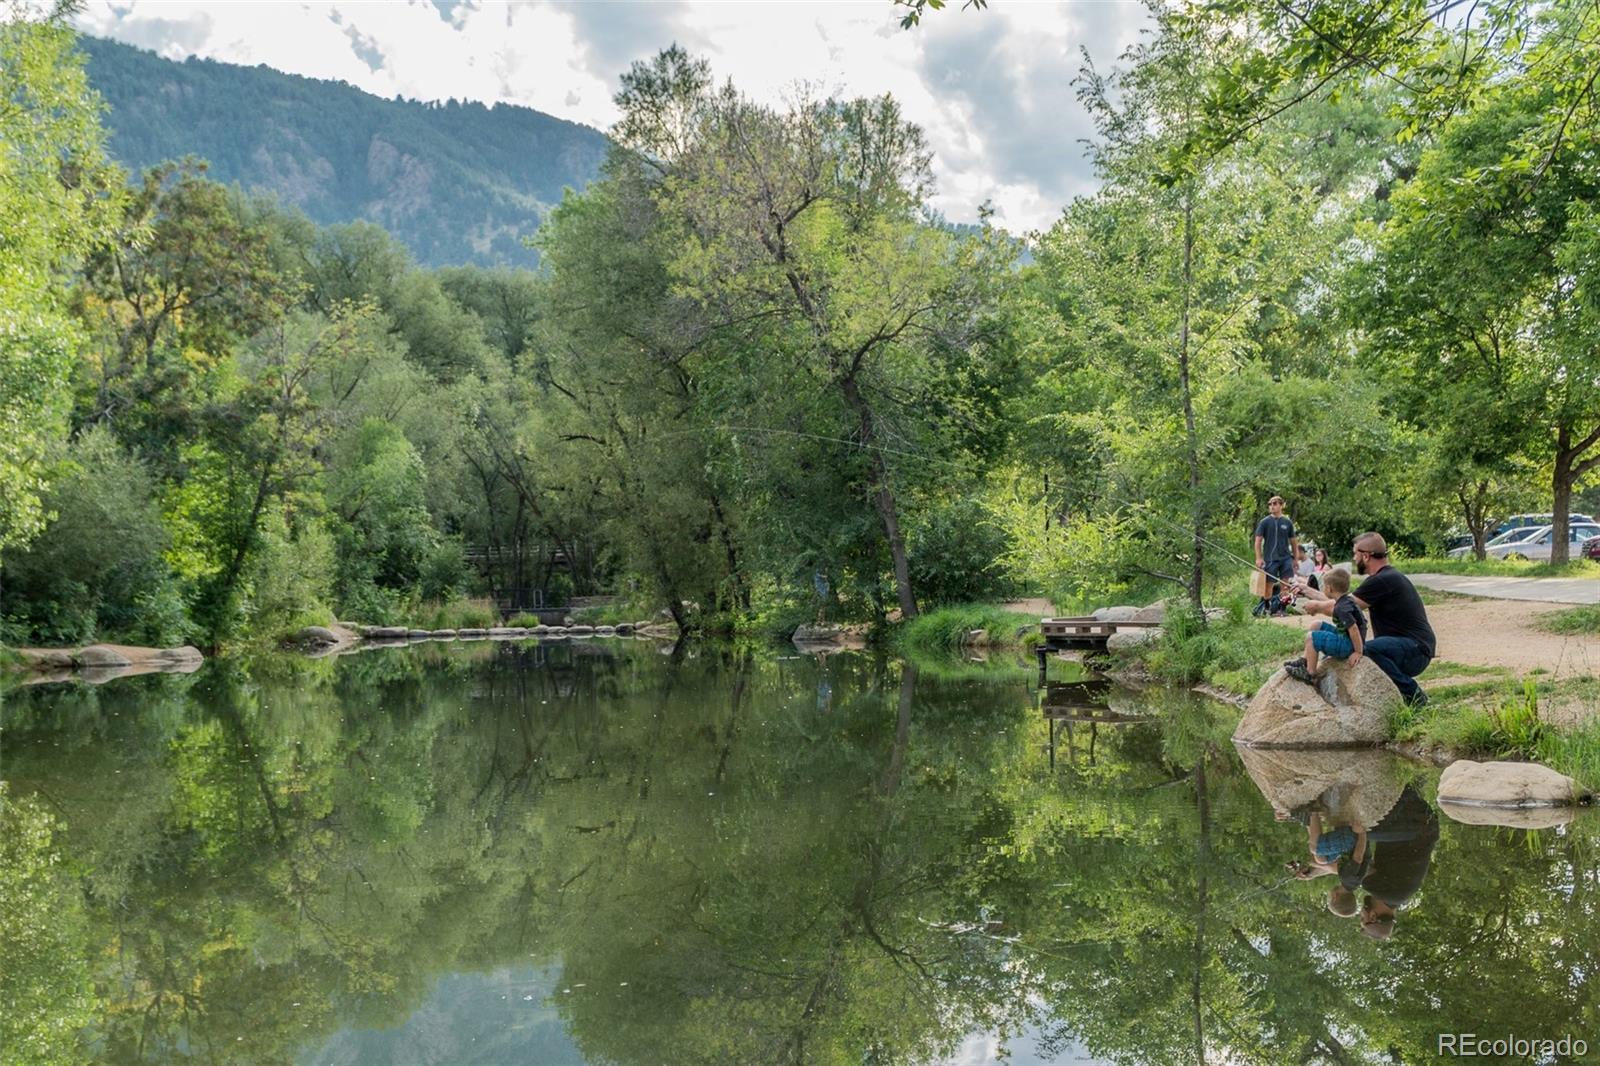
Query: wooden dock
{"type": "Point", "coordinates": [1073, 708]}
{"type": "Point", "coordinates": [1088, 634]}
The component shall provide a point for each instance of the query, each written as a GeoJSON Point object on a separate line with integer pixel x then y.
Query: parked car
{"type": "Point", "coordinates": [1591, 548]}
{"type": "Point", "coordinates": [1532, 543]}
{"type": "Point", "coordinates": [1515, 522]}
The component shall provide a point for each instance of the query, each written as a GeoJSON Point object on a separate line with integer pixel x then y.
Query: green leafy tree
{"type": "Point", "coordinates": [1481, 290]}
{"type": "Point", "coordinates": [57, 202]}
{"type": "Point", "coordinates": [99, 569]}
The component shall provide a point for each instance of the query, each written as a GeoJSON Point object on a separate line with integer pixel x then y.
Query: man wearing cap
{"type": "Point", "coordinates": [1402, 643]}
{"type": "Point", "coordinates": [1276, 543]}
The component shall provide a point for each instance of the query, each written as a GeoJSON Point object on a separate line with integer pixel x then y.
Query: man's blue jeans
{"type": "Point", "coordinates": [1402, 659]}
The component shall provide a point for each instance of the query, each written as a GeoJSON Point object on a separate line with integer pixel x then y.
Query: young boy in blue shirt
{"type": "Point", "coordinates": [1343, 638]}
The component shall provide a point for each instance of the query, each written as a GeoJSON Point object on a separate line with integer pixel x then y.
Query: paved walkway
{"type": "Point", "coordinates": [1542, 589]}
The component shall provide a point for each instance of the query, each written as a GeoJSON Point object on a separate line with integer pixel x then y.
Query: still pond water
{"type": "Point", "coordinates": [602, 854]}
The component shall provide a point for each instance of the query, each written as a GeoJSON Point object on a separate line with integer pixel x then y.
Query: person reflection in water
{"type": "Point", "coordinates": [1341, 850]}
{"type": "Point", "coordinates": [1402, 849]}
{"type": "Point", "coordinates": [1386, 863]}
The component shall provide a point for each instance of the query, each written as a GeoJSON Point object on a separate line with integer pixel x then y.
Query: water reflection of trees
{"type": "Point", "coordinates": [253, 858]}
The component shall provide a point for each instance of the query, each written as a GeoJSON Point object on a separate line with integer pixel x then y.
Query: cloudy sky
{"type": "Point", "coordinates": [993, 89]}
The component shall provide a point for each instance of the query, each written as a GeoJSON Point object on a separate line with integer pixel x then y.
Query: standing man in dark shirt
{"type": "Point", "coordinates": [1403, 643]}
{"type": "Point", "coordinates": [1276, 542]}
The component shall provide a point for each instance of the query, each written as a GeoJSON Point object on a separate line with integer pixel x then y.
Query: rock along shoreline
{"type": "Point", "coordinates": [98, 663]}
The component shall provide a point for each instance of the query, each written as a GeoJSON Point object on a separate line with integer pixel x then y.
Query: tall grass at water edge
{"type": "Point", "coordinates": [1510, 720]}
{"type": "Point", "coordinates": [453, 614]}
{"type": "Point", "coordinates": [944, 629]}
{"type": "Point", "coordinates": [1236, 651]}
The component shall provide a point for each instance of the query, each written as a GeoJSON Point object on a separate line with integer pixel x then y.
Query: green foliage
{"type": "Point", "coordinates": [98, 569]}
{"type": "Point", "coordinates": [757, 360]}
{"type": "Point", "coordinates": [609, 614]}
{"type": "Point", "coordinates": [452, 614]}
{"type": "Point", "coordinates": [1235, 652]}
{"type": "Point", "coordinates": [558, 590]}
{"type": "Point", "coordinates": [44, 964]}
{"type": "Point", "coordinates": [53, 210]}
{"type": "Point", "coordinates": [289, 577]}
{"type": "Point", "coordinates": [945, 629]}
{"type": "Point", "coordinates": [1515, 725]}
{"type": "Point", "coordinates": [956, 548]}
{"type": "Point", "coordinates": [386, 534]}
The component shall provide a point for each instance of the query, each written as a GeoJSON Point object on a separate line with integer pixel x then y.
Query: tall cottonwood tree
{"type": "Point", "coordinates": [801, 231]}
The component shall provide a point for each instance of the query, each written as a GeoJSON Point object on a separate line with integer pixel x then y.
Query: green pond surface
{"type": "Point", "coordinates": [599, 853]}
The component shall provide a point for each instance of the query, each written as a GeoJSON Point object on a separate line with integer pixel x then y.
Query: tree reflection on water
{"type": "Point", "coordinates": [700, 861]}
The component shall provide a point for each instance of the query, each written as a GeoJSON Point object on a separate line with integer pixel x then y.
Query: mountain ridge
{"type": "Point", "coordinates": [458, 183]}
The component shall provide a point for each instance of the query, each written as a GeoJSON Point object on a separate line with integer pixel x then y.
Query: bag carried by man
{"type": "Point", "coordinates": [1259, 583]}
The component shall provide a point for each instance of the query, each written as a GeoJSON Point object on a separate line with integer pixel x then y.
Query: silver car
{"type": "Point", "coordinates": [1533, 543]}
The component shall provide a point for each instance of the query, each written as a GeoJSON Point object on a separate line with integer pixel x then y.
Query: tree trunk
{"type": "Point", "coordinates": [1475, 512]}
{"type": "Point", "coordinates": [1561, 479]}
{"type": "Point", "coordinates": [883, 498]}
{"type": "Point", "coordinates": [741, 591]}
{"type": "Point", "coordinates": [1562, 484]}
{"type": "Point", "coordinates": [1202, 868]}
{"type": "Point", "coordinates": [1191, 440]}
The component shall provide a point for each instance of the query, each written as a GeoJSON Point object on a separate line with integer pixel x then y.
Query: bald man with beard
{"type": "Point", "coordinates": [1402, 643]}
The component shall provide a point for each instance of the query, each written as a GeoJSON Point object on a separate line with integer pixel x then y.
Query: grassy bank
{"type": "Point", "coordinates": [1513, 718]}
{"type": "Point", "coordinates": [945, 628]}
{"type": "Point", "coordinates": [1234, 652]}
{"type": "Point", "coordinates": [1576, 621]}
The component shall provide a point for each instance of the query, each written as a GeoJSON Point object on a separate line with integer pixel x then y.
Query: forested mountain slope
{"type": "Point", "coordinates": [457, 182]}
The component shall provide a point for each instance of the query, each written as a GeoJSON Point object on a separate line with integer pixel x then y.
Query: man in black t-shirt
{"type": "Point", "coordinates": [1402, 643]}
{"type": "Point", "coordinates": [1276, 542]}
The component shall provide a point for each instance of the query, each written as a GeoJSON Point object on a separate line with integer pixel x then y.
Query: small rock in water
{"type": "Point", "coordinates": [1507, 784]}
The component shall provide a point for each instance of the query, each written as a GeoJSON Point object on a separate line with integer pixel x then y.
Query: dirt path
{"type": "Point", "coordinates": [1037, 606]}
{"type": "Point", "coordinates": [1499, 633]}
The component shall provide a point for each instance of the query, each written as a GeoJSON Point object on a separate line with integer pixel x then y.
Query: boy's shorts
{"type": "Point", "coordinates": [1328, 640]}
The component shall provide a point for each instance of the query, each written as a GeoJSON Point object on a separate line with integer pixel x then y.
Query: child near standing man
{"type": "Point", "coordinates": [1343, 638]}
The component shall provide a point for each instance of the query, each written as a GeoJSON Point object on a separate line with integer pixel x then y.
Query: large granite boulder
{"type": "Point", "coordinates": [47, 658]}
{"type": "Point", "coordinates": [1347, 708]}
{"type": "Point", "coordinates": [1156, 612]}
{"type": "Point", "coordinates": [1465, 783]}
{"type": "Point", "coordinates": [1351, 786]}
{"type": "Point", "coordinates": [102, 655]}
{"type": "Point", "coordinates": [1115, 614]}
{"type": "Point", "coordinates": [1124, 639]}
{"type": "Point", "coordinates": [818, 634]}
{"type": "Point", "coordinates": [315, 635]}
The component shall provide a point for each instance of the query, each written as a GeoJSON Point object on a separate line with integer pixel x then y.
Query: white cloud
{"type": "Point", "coordinates": [991, 88]}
